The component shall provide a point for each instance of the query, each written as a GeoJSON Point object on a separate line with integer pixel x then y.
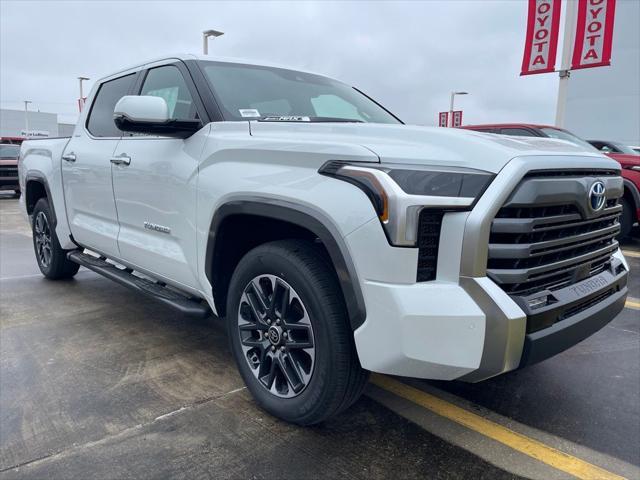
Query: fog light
{"type": "Point", "coordinates": [538, 302]}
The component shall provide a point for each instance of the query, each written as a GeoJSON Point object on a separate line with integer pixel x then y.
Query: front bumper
{"type": "Point", "coordinates": [443, 329]}
{"type": "Point", "coordinates": [473, 330]}
{"type": "Point", "coordinates": [440, 330]}
{"type": "Point", "coordinates": [589, 313]}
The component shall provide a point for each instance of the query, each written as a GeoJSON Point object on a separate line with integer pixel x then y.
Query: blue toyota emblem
{"type": "Point", "coordinates": [596, 196]}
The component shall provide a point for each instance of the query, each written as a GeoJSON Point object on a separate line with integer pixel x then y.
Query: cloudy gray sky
{"type": "Point", "coordinates": [408, 55]}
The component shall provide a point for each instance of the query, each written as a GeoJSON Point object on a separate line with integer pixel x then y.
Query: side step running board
{"type": "Point", "coordinates": [186, 305]}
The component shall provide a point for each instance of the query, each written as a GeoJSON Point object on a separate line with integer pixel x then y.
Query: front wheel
{"type": "Point", "coordinates": [52, 259]}
{"type": "Point", "coordinates": [290, 333]}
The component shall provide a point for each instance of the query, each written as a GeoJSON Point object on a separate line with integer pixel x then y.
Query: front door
{"type": "Point", "coordinates": [154, 182]}
{"type": "Point", "coordinates": [86, 172]}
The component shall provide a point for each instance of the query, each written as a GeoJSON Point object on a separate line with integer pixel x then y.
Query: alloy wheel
{"type": "Point", "coordinates": [42, 233]}
{"type": "Point", "coordinates": [276, 336]}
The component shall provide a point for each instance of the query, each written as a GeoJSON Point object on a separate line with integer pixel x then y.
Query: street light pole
{"type": "Point", "coordinates": [205, 39]}
{"type": "Point", "coordinates": [26, 118]}
{"type": "Point", "coordinates": [453, 94]}
{"type": "Point", "coordinates": [81, 100]}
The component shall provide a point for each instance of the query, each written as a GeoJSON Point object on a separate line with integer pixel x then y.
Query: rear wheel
{"type": "Point", "coordinates": [51, 258]}
{"type": "Point", "coordinates": [290, 333]}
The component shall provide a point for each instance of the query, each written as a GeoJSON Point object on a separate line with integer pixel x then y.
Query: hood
{"type": "Point", "coordinates": [416, 145]}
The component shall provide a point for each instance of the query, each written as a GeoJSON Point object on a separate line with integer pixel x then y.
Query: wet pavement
{"type": "Point", "coordinates": [98, 382]}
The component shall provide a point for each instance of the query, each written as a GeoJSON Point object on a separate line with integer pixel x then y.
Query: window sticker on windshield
{"type": "Point", "coordinates": [287, 118]}
{"type": "Point", "coordinates": [249, 112]}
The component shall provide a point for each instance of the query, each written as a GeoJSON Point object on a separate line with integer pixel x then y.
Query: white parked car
{"type": "Point", "coordinates": [332, 238]}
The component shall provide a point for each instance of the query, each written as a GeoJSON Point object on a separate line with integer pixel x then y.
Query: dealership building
{"type": "Point", "coordinates": [41, 124]}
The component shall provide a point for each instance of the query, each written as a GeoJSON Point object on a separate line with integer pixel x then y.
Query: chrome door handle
{"type": "Point", "coordinates": [69, 157]}
{"type": "Point", "coordinates": [122, 159]}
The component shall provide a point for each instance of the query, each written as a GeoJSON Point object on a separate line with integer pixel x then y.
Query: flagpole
{"type": "Point", "coordinates": [565, 67]}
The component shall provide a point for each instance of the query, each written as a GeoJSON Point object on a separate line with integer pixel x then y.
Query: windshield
{"type": "Point", "coordinates": [570, 137]}
{"type": "Point", "coordinates": [625, 149]}
{"type": "Point", "coordinates": [9, 151]}
{"type": "Point", "coordinates": [249, 92]}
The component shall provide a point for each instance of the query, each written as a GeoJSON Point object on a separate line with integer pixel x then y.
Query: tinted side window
{"type": "Point", "coordinates": [100, 122]}
{"type": "Point", "coordinates": [519, 132]}
{"type": "Point", "coordinates": [167, 82]}
{"type": "Point", "coordinates": [610, 148]}
{"type": "Point", "coordinates": [485, 130]}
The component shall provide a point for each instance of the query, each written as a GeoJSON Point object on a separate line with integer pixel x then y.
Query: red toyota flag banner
{"type": "Point", "coordinates": [443, 119]}
{"type": "Point", "coordinates": [594, 33]}
{"type": "Point", "coordinates": [541, 41]}
{"type": "Point", "coordinates": [457, 118]}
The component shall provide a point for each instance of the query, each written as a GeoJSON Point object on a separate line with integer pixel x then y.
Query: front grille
{"type": "Point", "coordinates": [581, 307]}
{"type": "Point", "coordinates": [8, 171]}
{"type": "Point", "coordinates": [429, 225]}
{"type": "Point", "coordinates": [547, 247]}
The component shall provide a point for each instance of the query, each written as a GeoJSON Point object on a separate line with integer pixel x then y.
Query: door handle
{"type": "Point", "coordinates": [122, 159]}
{"type": "Point", "coordinates": [69, 157]}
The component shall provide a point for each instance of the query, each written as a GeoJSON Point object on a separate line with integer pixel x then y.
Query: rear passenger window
{"type": "Point", "coordinates": [518, 132]}
{"type": "Point", "coordinates": [167, 82]}
{"type": "Point", "coordinates": [100, 122]}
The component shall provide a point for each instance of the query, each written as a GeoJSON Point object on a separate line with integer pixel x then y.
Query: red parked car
{"type": "Point", "coordinates": [630, 163]}
{"type": "Point", "coordinates": [9, 168]}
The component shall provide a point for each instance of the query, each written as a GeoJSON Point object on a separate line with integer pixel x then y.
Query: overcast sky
{"type": "Point", "coordinates": [408, 56]}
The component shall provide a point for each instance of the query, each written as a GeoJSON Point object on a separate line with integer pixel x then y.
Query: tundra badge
{"type": "Point", "coordinates": [157, 228]}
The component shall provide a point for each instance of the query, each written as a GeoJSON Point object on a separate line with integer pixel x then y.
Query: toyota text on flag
{"type": "Point", "coordinates": [594, 33]}
{"type": "Point", "coordinates": [541, 41]}
{"type": "Point", "coordinates": [443, 119]}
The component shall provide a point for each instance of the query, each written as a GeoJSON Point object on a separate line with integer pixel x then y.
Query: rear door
{"type": "Point", "coordinates": [86, 171]}
{"type": "Point", "coordinates": [155, 188]}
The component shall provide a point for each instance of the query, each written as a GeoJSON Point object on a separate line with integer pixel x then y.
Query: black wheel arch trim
{"type": "Point", "coordinates": [40, 178]}
{"type": "Point", "coordinates": [303, 216]}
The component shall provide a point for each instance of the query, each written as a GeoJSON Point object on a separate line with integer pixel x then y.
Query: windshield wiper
{"type": "Point", "coordinates": [303, 118]}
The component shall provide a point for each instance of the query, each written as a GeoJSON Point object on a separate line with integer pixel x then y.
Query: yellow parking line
{"type": "Point", "coordinates": [631, 253]}
{"type": "Point", "coordinates": [632, 303]}
{"type": "Point", "coordinates": [533, 448]}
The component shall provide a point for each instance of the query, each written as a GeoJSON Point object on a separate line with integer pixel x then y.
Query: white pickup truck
{"type": "Point", "coordinates": [332, 238]}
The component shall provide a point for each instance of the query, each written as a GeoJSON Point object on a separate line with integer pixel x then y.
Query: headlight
{"type": "Point", "coordinates": [399, 192]}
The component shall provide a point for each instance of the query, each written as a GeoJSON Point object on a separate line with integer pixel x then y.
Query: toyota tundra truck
{"type": "Point", "coordinates": [332, 238]}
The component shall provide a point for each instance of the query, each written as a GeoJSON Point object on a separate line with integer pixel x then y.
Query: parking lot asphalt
{"type": "Point", "coordinates": [97, 382]}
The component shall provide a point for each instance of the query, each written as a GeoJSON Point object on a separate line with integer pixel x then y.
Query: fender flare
{"type": "Point", "coordinates": [40, 178]}
{"type": "Point", "coordinates": [310, 219]}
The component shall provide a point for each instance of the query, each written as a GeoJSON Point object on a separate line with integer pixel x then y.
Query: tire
{"type": "Point", "coordinates": [323, 380]}
{"type": "Point", "coordinates": [52, 259]}
{"type": "Point", "coordinates": [626, 219]}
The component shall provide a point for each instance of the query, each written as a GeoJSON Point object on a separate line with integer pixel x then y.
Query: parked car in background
{"type": "Point", "coordinates": [613, 147]}
{"type": "Point", "coordinates": [635, 148]}
{"type": "Point", "coordinates": [9, 168]}
{"type": "Point", "coordinates": [630, 163]}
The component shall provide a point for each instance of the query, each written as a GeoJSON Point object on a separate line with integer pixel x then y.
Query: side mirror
{"type": "Point", "coordinates": [150, 115]}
